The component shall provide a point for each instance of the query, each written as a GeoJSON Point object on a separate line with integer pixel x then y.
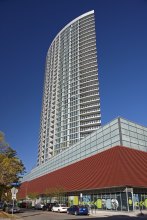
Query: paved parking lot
{"type": "Point", "coordinates": [39, 215]}
{"type": "Point", "coordinates": [29, 214]}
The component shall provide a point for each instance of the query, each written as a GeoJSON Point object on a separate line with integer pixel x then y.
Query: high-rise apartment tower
{"type": "Point", "coordinates": [71, 101]}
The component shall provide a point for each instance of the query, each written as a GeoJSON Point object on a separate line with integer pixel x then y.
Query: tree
{"type": "Point", "coordinates": [49, 193]}
{"type": "Point", "coordinates": [33, 195]}
{"type": "Point", "coordinates": [11, 167]}
{"type": "Point", "coordinates": [56, 192]}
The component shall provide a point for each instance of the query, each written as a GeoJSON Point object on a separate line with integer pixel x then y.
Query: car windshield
{"type": "Point", "coordinates": [63, 205]}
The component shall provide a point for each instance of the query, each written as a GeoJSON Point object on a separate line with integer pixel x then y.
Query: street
{"type": "Point", "coordinates": [29, 214]}
{"type": "Point", "coordinates": [45, 215]}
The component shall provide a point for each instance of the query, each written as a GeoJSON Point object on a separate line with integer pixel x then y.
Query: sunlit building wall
{"type": "Point", "coordinates": [71, 102]}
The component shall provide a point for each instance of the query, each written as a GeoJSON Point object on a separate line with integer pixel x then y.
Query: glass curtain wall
{"type": "Point", "coordinates": [120, 201]}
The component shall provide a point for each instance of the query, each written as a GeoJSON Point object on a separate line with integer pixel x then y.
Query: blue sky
{"type": "Point", "coordinates": [27, 28]}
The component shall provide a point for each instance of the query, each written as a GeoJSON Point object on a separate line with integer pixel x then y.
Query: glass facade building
{"type": "Point", "coordinates": [71, 102]}
{"type": "Point", "coordinates": [119, 132]}
{"type": "Point", "coordinates": [120, 199]}
{"type": "Point", "coordinates": [76, 154]}
{"type": "Point", "coordinates": [131, 165]}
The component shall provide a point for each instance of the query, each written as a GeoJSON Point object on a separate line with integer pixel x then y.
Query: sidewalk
{"type": "Point", "coordinates": [7, 216]}
{"type": "Point", "coordinates": [100, 213]}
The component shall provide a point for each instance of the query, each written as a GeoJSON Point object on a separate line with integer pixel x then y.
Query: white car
{"type": "Point", "coordinates": [39, 206]}
{"type": "Point", "coordinates": [59, 208]}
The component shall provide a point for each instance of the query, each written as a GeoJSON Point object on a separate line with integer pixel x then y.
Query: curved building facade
{"type": "Point", "coordinates": [71, 102]}
{"type": "Point", "coordinates": [105, 169]}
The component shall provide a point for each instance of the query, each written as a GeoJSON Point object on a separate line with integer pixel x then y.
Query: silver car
{"type": "Point", "coordinates": [12, 209]}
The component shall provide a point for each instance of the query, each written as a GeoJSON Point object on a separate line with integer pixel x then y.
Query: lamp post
{"type": "Point", "coordinates": [81, 196]}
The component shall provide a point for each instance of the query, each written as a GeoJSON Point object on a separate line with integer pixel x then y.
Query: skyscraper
{"type": "Point", "coordinates": [71, 102]}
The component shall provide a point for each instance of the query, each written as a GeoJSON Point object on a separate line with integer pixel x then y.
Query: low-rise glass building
{"type": "Point", "coordinates": [106, 170]}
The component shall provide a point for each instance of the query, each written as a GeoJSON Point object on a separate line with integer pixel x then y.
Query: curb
{"type": "Point", "coordinates": [110, 214]}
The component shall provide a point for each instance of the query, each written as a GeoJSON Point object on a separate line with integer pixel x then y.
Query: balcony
{"type": "Point", "coordinates": [87, 42]}
{"type": "Point", "coordinates": [90, 117]}
{"type": "Point", "coordinates": [87, 89]}
{"type": "Point", "coordinates": [86, 36]}
{"type": "Point", "coordinates": [88, 112]}
{"type": "Point", "coordinates": [87, 31]}
{"type": "Point", "coordinates": [86, 20]}
{"type": "Point", "coordinates": [86, 25]}
{"type": "Point", "coordinates": [88, 54]}
{"type": "Point", "coordinates": [89, 92]}
{"type": "Point", "coordinates": [85, 86]}
{"type": "Point", "coordinates": [87, 100]}
{"type": "Point", "coordinates": [87, 47]}
{"type": "Point", "coordinates": [93, 105]}
{"type": "Point", "coordinates": [90, 72]}
{"type": "Point", "coordinates": [89, 79]}
{"type": "Point", "coordinates": [84, 130]}
{"type": "Point", "coordinates": [88, 57]}
{"type": "Point", "coordinates": [87, 50]}
{"type": "Point", "coordinates": [96, 122]}
{"type": "Point", "coordinates": [88, 62]}
{"type": "Point", "coordinates": [92, 94]}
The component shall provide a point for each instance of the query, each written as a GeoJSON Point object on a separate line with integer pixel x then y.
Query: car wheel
{"type": "Point", "coordinates": [52, 210]}
{"type": "Point", "coordinates": [76, 213]}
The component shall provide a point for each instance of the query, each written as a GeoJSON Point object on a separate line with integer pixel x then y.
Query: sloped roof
{"type": "Point", "coordinates": [115, 167]}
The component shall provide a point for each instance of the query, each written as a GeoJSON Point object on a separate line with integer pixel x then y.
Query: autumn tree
{"type": "Point", "coordinates": [11, 167]}
{"type": "Point", "coordinates": [49, 193]}
{"type": "Point", "coordinates": [56, 192]}
{"type": "Point", "coordinates": [33, 195]}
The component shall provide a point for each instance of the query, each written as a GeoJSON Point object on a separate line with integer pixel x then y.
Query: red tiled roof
{"type": "Point", "coordinates": [118, 166]}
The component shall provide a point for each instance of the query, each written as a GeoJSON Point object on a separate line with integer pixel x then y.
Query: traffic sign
{"type": "Point", "coordinates": [14, 196]}
{"type": "Point", "coordinates": [14, 191]}
{"type": "Point", "coordinates": [15, 184]}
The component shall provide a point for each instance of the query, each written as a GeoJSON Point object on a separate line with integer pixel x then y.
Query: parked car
{"type": "Point", "coordinates": [1, 205]}
{"type": "Point", "coordinates": [22, 205]}
{"type": "Point", "coordinates": [48, 206]}
{"type": "Point", "coordinates": [39, 206]}
{"type": "Point", "coordinates": [11, 208]}
{"type": "Point", "coordinates": [59, 208]}
{"type": "Point", "coordinates": [77, 210]}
